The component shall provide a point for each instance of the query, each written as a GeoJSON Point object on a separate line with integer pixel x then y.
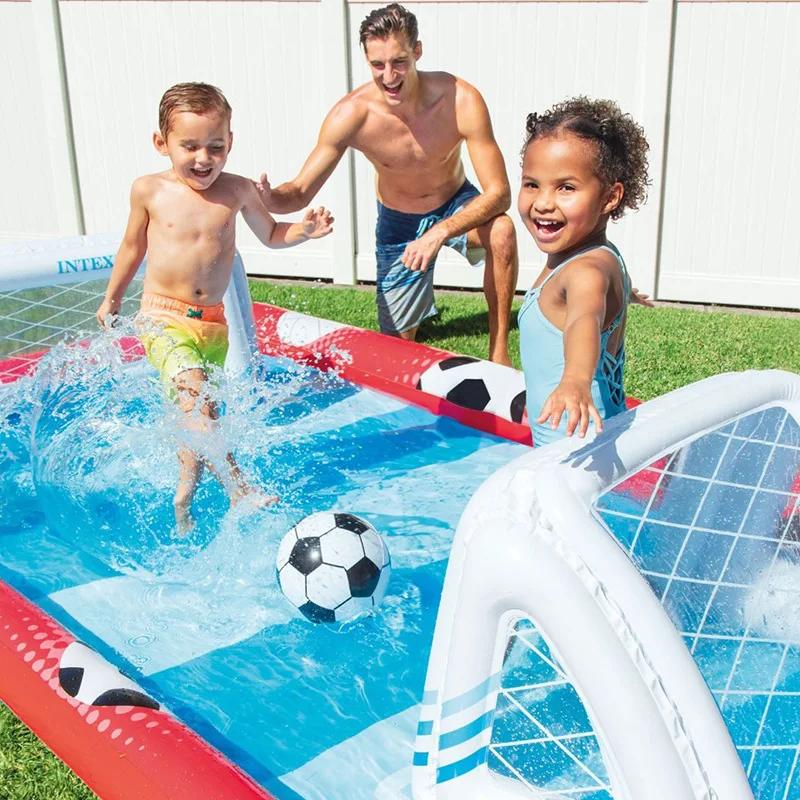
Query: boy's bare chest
{"type": "Point", "coordinates": [193, 217]}
{"type": "Point", "coordinates": [392, 144]}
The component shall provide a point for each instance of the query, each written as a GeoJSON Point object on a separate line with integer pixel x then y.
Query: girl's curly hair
{"type": "Point", "coordinates": [619, 140]}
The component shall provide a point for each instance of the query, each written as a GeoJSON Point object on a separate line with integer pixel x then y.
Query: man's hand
{"type": "Point", "coordinates": [419, 253]}
{"type": "Point", "coordinates": [107, 314]}
{"type": "Point", "coordinates": [575, 399]}
{"type": "Point", "coordinates": [264, 191]}
{"type": "Point", "coordinates": [640, 298]}
{"type": "Point", "coordinates": [316, 223]}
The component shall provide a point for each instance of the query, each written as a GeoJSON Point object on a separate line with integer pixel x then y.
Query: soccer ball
{"type": "Point", "coordinates": [88, 677]}
{"type": "Point", "coordinates": [477, 385]}
{"type": "Point", "coordinates": [333, 566]}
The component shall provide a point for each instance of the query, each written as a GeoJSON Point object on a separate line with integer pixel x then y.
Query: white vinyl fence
{"type": "Point", "coordinates": [714, 83]}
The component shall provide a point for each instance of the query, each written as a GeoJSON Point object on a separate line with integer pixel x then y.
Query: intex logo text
{"type": "Point", "coordinates": [85, 264]}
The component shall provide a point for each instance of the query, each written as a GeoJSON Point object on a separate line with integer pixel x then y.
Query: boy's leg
{"type": "Point", "coordinates": [189, 474]}
{"type": "Point", "coordinates": [189, 389]}
{"type": "Point", "coordinates": [192, 388]}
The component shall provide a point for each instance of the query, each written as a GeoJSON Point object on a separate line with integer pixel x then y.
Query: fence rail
{"type": "Point", "coordinates": [713, 82]}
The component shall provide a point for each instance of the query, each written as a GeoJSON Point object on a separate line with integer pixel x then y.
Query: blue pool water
{"type": "Point", "coordinates": [88, 468]}
{"type": "Point", "coordinates": [87, 473]}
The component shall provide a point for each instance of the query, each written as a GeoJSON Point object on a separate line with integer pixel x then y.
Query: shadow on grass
{"type": "Point", "coordinates": [451, 324]}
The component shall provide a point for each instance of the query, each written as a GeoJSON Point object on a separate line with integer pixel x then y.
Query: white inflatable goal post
{"type": "Point", "coordinates": [619, 616]}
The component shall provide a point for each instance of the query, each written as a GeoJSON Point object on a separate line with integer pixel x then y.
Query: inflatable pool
{"type": "Point", "coordinates": [592, 620]}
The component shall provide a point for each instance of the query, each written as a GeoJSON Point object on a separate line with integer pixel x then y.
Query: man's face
{"type": "Point", "coordinates": [393, 64]}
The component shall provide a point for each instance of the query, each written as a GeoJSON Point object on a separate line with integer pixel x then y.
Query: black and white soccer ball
{"type": "Point", "coordinates": [88, 677]}
{"type": "Point", "coordinates": [478, 385]}
{"type": "Point", "coordinates": [333, 567]}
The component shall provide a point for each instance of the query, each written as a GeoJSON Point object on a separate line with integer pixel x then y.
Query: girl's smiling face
{"type": "Point", "coordinates": [562, 201]}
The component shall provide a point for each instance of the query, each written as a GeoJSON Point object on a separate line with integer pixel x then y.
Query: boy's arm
{"type": "Point", "coordinates": [342, 122]}
{"type": "Point", "coordinates": [315, 224]}
{"type": "Point", "coordinates": [130, 254]}
{"type": "Point", "coordinates": [586, 289]}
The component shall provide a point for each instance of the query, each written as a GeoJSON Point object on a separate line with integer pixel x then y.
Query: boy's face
{"type": "Point", "coordinates": [393, 63]}
{"type": "Point", "coordinates": [197, 145]}
{"type": "Point", "coordinates": [562, 201]}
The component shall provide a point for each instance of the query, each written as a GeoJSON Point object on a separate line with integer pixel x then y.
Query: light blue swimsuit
{"type": "Point", "coordinates": [542, 353]}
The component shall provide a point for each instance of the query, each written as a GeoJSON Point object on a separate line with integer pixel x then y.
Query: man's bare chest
{"type": "Point", "coordinates": [391, 144]}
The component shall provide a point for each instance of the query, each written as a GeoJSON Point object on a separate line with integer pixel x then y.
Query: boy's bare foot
{"type": "Point", "coordinates": [253, 496]}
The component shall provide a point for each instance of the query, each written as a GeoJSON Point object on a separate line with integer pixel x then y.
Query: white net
{"type": "Point", "coordinates": [34, 320]}
{"type": "Point", "coordinates": [715, 529]}
{"type": "Point", "coordinates": [542, 735]}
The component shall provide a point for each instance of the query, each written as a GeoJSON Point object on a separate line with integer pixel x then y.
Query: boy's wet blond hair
{"type": "Point", "coordinates": [199, 98]}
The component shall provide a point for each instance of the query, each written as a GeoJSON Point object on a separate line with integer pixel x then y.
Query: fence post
{"type": "Point", "coordinates": [657, 86]}
{"type": "Point", "coordinates": [60, 137]}
{"type": "Point", "coordinates": [342, 182]}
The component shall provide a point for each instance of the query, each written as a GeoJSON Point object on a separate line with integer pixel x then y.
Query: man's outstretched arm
{"type": "Point", "coordinates": [334, 139]}
{"type": "Point", "coordinates": [474, 124]}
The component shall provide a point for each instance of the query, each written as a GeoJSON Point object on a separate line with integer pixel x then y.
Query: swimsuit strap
{"type": "Point", "coordinates": [612, 369]}
{"type": "Point", "coordinates": [626, 288]}
{"type": "Point", "coordinates": [537, 289]}
{"type": "Point", "coordinates": [612, 365]}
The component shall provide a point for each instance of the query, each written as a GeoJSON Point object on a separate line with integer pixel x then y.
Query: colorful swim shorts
{"type": "Point", "coordinates": [405, 296]}
{"type": "Point", "coordinates": [178, 336]}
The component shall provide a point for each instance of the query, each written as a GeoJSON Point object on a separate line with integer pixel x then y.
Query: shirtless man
{"type": "Point", "coordinates": [184, 219]}
{"type": "Point", "coordinates": [410, 125]}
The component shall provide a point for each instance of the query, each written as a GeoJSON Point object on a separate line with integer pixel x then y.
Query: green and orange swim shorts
{"type": "Point", "coordinates": [179, 336]}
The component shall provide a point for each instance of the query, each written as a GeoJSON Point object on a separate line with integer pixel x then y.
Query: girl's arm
{"type": "Point", "coordinates": [315, 224]}
{"type": "Point", "coordinates": [130, 254]}
{"type": "Point", "coordinates": [586, 289]}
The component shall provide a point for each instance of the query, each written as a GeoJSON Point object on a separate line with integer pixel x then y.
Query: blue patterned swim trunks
{"type": "Point", "coordinates": [405, 296]}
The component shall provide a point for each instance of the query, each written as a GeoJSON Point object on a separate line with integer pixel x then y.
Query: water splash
{"type": "Point", "coordinates": [102, 443]}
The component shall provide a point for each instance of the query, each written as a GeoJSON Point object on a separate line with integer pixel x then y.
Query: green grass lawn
{"type": "Point", "coordinates": [29, 771]}
{"type": "Point", "coordinates": [667, 348]}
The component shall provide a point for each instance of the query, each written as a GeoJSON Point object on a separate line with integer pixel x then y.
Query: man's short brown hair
{"type": "Point", "coordinates": [383, 22]}
{"type": "Point", "coordinates": [199, 98]}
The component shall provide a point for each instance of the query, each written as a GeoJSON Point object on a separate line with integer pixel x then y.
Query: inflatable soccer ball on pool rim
{"type": "Point", "coordinates": [478, 385]}
{"type": "Point", "coordinates": [88, 677]}
{"type": "Point", "coordinates": [333, 566]}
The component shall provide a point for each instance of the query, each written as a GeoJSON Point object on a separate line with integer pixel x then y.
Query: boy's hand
{"type": "Point", "coordinates": [264, 191]}
{"type": "Point", "coordinates": [574, 398]}
{"type": "Point", "coordinates": [106, 310]}
{"type": "Point", "coordinates": [317, 223]}
{"type": "Point", "coordinates": [640, 298]}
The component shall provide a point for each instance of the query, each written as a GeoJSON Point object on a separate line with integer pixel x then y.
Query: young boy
{"type": "Point", "coordinates": [184, 220]}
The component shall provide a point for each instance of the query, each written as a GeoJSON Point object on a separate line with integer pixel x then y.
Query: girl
{"type": "Point", "coordinates": [584, 162]}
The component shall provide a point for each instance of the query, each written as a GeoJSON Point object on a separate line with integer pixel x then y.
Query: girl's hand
{"type": "Point", "coordinates": [574, 398]}
{"type": "Point", "coordinates": [317, 223]}
{"type": "Point", "coordinates": [640, 299]}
